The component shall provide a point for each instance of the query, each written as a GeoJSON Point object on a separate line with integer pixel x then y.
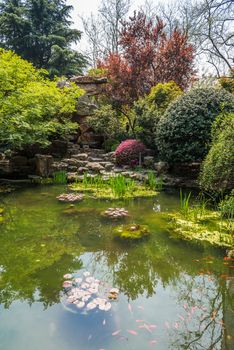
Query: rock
{"type": "Point", "coordinates": [19, 161]}
{"type": "Point", "coordinates": [230, 254]}
{"type": "Point", "coordinates": [72, 168]}
{"type": "Point", "coordinates": [82, 170]}
{"type": "Point", "coordinates": [5, 166]}
{"type": "Point", "coordinates": [71, 177]}
{"type": "Point", "coordinates": [81, 156]}
{"type": "Point", "coordinates": [161, 167]}
{"type": "Point", "coordinates": [109, 166]}
{"type": "Point", "coordinates": [44, 165]}
{"type": "Point", "coordinates": [149, 162]}
{"type": "Point", "coordinates": [57, 166]}
{"type": "Point", "coordinates": [96, 167]}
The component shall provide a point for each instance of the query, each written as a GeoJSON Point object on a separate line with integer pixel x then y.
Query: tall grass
{"type": "Point", "coordinates": [60, 177]}
{"type": "Point", "coordinates": [121, 185]}
{"type": "Point", "coordinates": [154, 183]}
{"type": "Point", "coordinates": [184, 203]}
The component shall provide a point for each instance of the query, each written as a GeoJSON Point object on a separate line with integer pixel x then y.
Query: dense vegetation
{"type": "Point", "coordinates": [40, 32]}
{"type": "Point", "coordinates": [33, 110]}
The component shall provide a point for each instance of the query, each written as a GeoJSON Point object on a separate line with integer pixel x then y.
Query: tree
{"type": "Point", "coordinates": [39, 31]}
{"type": "Point", "coordinates": [148, 56]}
{"type": "Point", "coordinates": [103, 31]}
{"type": "Point", "coordinates": [33, 110]}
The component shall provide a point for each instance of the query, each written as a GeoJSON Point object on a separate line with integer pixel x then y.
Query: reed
{"type": "Point", "coordinates": [184, 203]}
{"type": "Point", "coordinates": [60, 178]}
{"type": "Point", "coordinates": [121, 185]}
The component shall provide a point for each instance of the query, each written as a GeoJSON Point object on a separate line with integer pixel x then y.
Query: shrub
{"type": "Point", "coordinates": [226, 206]}
{"type": "Point", "coordinates": [218, 167]}
{"type": "Point", "coordinates": [163, 94]}
{"type": "Point", "coordinates": [183, 133]}
{"type": "Point", "coordinates": [129, 152]}
{"type": "Point", "coordinates": [228, 82]}
{"type": "Point", "coordinates": [148, 110]}
{"type": "Point", "coordinates": [33, 109]}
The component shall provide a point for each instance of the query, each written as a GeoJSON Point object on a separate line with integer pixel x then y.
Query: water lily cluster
{"type": "Point", "coordinates": [85, 292]}
{"type": "Point", "coordinates": [70, 197]}
{"type": "Point", "coordinates": [116, 213]}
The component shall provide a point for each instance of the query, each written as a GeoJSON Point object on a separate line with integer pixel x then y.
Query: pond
{"type": "Point", "coordinates": [173, 294]}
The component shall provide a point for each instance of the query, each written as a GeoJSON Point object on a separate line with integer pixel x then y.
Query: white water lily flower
{"type": "Point", "coordinates": [91, 306]}
{"type": "Point", "coordinates": [107, 307]}
{"type": "Point", "coordinates": [80, 304]}
{"type": "Point", "coordinates": [86, 273]}
{"type": "Point", "coordinates": [77, 280]}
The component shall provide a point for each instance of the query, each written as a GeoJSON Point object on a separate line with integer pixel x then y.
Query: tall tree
{"type": "Point", "coordinates": [39, 31]}
{"type": "Point", "coordinates": [103, 31]}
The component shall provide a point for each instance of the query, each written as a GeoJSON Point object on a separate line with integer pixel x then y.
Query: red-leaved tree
{"type": "Point", "coordinates": [148, 56]}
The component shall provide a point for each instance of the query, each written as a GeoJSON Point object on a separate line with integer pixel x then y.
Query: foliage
{"type": "Point", "coordinates": [39, 31]}
{"type": "Point", "coordinates": [154, 183]}
{"type": "Point", "coordinates": [162, 94]}
{"type": "Point", "coordinates": [183, 134]}
{"type": "Point", "coordinates": [114, 187]}
{"type": "Point", "coordinates": [132, 232]}
{"type": "Point", "coordinates": [217, 170]}
{"type": "Point", "coordinates": [129, 152]}
{"type": "Point", "coordinates": [226, 206]}
{"type": "Point", "coordinates": [148, 110]}
{"type": "Point", "coordinates": [148, 56]}
{"type": "Point", "coordinates": [228, 82]}
{"type": "Point", "coordinates": [60, 177]}
{"type": "Point", "coordinates": [97, 72]}
{"type": "Point", "coordinates": [107, 122]}
{"type": "Point", "coordinates": [184, 203]}
{"type": "Point", "coordinates": [32, 108]}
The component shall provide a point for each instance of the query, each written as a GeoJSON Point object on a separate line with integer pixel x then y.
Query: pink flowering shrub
{"type": "Point", "coordinates": [128, 152]}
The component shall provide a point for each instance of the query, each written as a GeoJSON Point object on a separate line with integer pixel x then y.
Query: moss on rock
{"type": "Point", "coordinates": [132, 232]}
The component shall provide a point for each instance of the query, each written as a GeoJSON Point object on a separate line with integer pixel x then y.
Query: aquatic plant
{"type": "Point", "coordinates": [70, 197]}
{"type": "Point", "coordinates": [115, 213]}
{"type": "Point", "coordinates": [60, 177]}
{"type": "Point", "coordinates": [120, 185]}
{"type": "Point", "coordinates": [132, 232]}
{"type": "Point", "coordinates": [184, 203]}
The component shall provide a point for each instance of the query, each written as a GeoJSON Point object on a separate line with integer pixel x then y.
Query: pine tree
{"type": "Point", "coordinates": [40, 32]}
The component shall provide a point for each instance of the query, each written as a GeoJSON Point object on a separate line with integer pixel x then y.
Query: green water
{"type": "Point", "coordinates": [182, 292]}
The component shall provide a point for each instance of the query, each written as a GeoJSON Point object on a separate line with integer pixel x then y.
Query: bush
{"type": "Point", "coordinates": [148, 110]}
{"type": "Point", "coordinates": [163, 94]}
{"type": "Point", "coordinates": [108, 123]}
{"type": "Point", "coordinates": [228, 82]}
{"type": "Point", "coordinates": [226, 206]}
{"type": "Point", "coordinates": [184, 131]}
{"type": "Point", "coordinates": [33, 109]}
{"type": "Point", "coordinates": [129, 152]}
{"type": "Point", "coordinates": [218, 167]}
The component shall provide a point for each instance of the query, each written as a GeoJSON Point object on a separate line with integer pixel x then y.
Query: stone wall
{"type": "Point", "coordinates": [86, 107]}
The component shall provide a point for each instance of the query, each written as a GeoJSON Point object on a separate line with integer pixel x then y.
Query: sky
{"type": "Point", "coordinates": [85, 7]}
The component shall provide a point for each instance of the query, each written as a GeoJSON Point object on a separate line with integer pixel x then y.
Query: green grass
{"type": "Point", "coordinates": [60, 178]}
{"type": "Point", "coordinates": [115, 187]}
{"type": "Point", "coordinates": [184, 203]}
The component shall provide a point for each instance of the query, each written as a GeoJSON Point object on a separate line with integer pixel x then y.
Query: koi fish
{"type": "Point", "coordinates": [132, 332]}
{"type": "Point", "coordinates": [116, 332]}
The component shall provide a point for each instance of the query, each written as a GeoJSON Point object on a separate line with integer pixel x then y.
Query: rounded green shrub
{"type": "Point", "coordinates": [162, 94]}
{"type": "Point", "coordinates": [217, 173]}
{"type": "Point", "coordinates": [184, 132]}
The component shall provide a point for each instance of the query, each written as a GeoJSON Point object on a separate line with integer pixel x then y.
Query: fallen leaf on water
{"type": "Point", "coordinates": [132, 332]}
{"type": "Point", "coordinates": [116, 332]}
{"type": "Point", "coordinates": [214, 314]}
{"type": "Point", "coordinates": [195, 260]}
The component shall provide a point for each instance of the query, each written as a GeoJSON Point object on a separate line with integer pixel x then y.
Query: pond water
{"type": "Point", "coordinates": [173, 294]}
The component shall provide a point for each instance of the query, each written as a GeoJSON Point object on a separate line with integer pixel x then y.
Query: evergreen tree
{"type": "Point", "coordinates": [40, 32]}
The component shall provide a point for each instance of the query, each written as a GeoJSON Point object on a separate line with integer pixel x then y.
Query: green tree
{"type": "Point", "coordinates": [33, 109]}
{"type": "Point", "coordinates": [218, 167]}
{"type": "Point", "coordinates": [39, 31]}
